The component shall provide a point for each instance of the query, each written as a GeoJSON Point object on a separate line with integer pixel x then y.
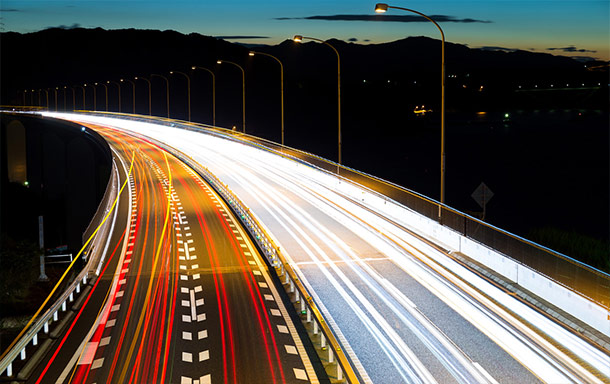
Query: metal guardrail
{"type": "Point", "coordinates": [572, 274]}
{"type": "Point", "coordinates": [52, 314]}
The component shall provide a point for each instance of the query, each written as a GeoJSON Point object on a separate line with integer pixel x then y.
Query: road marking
{"type": "Point", "coordinates": [235, 231]}
{"type": "Point", "coordinates": [188, 357]}
{"type": "Point", "coordinates": [110, 323]}
{"type": "Point", "coordinates": [269, 297]}
{"type": "Point", "coordinates": [104, 341]}
{"type": "Point", "coordinates": [186, 303]}
{"type": "Point", "coordinates": [195, 266]}
{"type": "Point", "coordinates": [262, 285]}
{"type": "Point", "coordinates": [115, 308]}
{"type": "Point", "coordinates": [184, 290]}
{"type": "Point", "coordinates": [201, 317]}
{"type": "Point", "coordinates": [191, 249]}
{"type": "Point", "coordinates": [207, 379]}
{"type": "Point", "coordinates": [291, 349]}
{"type": "Point", "coordinates": [122, 281]}
{"type": "Point", "coordinates": [282, 328]}
{"type": "Point", "coordinates": [190, 241]}
{"type": "Point", "coordinates": [256, 272]}
{"type": "Point", "coordinates": [199, 302]}
{"type": "Point", "coordinates": [247, 254]}
{"type": "Point", "coordinates": [196, 276]}
{"type": "Point", "coordinates": [186, 318]}
{"type": "Point", "coordinates": [198, 289]}
{"type": "Point", "coordinates": [251, 262]}
{"type": "Point", "coordinates": [204, 355]}
{"type": "Point", "coordinates": [188, 234]}
{"type": "Point", "coordinates": [183, 267]}
{"type": "Point", "coordinates": [119, 294]}
{"type": "Point", "coordinates": [186, 380]}
{"type": "Point", "coordinates": [202, 334]}
{"type": "Point", "coordinates": [193, 311]}
{"type": "Point", "coordinates": [187, 228]}
{"type": "Point", "coordinates": [97, 363]}
{"type": "Point", "coordinates": [127, 261]}
{"type": "Point", "coordinates": [187, 335]}
{"type": "Point", "coordinates": [89, 353]}
{"type": "Point", "coordinates": [275, 312]}
{"type": "Point", "coordinates": [299, 374]}
{"type": "Point", "coordinates": [183, 277]}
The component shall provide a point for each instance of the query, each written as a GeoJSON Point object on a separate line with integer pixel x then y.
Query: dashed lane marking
{"type": "Point", "coordinates": [204, 355]}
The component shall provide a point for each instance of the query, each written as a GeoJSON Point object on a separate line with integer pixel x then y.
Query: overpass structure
{"type": "Point", "coordinates": [407, 296]}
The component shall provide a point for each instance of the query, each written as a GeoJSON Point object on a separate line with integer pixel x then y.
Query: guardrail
{"type": "Point", "coordinates": [572, 274]}
{"type": "Point", "coordinates": [52, 314]}
{"type": "Point", "coordinates": [335, 361]}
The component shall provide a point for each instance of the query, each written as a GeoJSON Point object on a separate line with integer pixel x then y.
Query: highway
{"type": "Point", "coordinates": [183, 295]}
{"type": "Point", "coordinates": [404, 309]}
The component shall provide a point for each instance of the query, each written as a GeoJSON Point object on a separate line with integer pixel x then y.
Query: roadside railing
{"type": "Point", "coordinates": [59, 308]}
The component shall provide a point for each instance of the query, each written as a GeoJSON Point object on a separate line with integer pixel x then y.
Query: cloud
{"type": "Point", "coordinates": [73, 26]}
{"type": "Point", "coordinates": [388, 18]}
{"type": "Point", "coordinates": [241, 37]}
{"type": "Point", "coordinates": [571, 49]}
{"type": "Point", "coordinates": [495, 48]}
{"type": "Point", "coordinates": [352, 39]}
{"type": "Point", "coordinates": [10, 10]}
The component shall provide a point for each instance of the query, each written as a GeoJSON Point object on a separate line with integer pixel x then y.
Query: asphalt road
{"type": "Point", "coordinates": [184, 296]}
{"type": "Point", "coordinates": [402, 307]}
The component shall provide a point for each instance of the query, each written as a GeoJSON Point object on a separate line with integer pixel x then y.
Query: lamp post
{"type": "Point", "coordinates": [243, 90]}
{"type": "Point", "coordinates": [65, 99]}
{"type": "Point", "coordinates": [380, 8]}
{"type": "Point", "coordinates": [188, 89]}
{"type": "Point", "coordinates": [253, 53]}
{"type": "Point", "coordinates": [298, 39]}
{"type": "Point", "coordinates": [55, 93]}
{"type": "Point", "coordinates": [149, 93]}
{"type": "Point", "coordinates": [25, 91]}
{"type": "Point", "coordinates": [119, 88]}
{"type": "Point", "coordinates": [106, 93]}
{"type": "Point", "coordinates": [83, 88]}
{"type": "Point", "coordinates": [167, 83]}
{"type": "Point", "coordinates": [46, 91]}
{"type": "Point", "coordinates": [133, 87]}
{"type": "Point", "coordinates": [94, 97]}
{"type": "Point", "coordinates": [213, 92]}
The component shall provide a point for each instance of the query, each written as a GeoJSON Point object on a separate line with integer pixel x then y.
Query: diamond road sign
{"type": "Point", "coordinates": [482, 195]}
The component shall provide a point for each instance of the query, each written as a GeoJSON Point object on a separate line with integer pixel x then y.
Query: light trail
{"type": "Point", "coordinates": [358, 262]}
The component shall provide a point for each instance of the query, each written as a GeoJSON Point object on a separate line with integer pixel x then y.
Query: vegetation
{"type": "Point", "coordinates": [19, 268]}
{"type": "Point", "coordinates": [589, 250]}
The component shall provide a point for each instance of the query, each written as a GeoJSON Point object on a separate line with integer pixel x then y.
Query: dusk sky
{"type": "Point", "coordinates": [562, 27]}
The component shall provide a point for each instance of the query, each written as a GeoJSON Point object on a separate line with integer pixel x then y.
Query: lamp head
{"type": "Point", "coordinates": [171, 72]}
{"type": "Point", "coordinates": [193, 67]}
{"type": "Point", "coordinates": [381, 7]}
{"type": "Point", "coordinates": [122, 80]}
{"type": "Point", "coordinates": [297, 38]}
{"type": "Point", "coordinates": [218, 61]}
{"type": "Point", "coordinates": [135, 78]}
{"type": "Point", "coordinates": [250, 53]}
{"type": "Point", "coordinates": [95, 83]}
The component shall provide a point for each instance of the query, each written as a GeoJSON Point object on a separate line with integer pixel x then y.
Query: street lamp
{"type": "Point", "coordinates": [298, 39]}
{"type": "Point", "coordinates": [55, 92]}
{"type": "Point", "coordinates": [133, 86]}
{"type": "Point", "coordinates": [65, 102]}
{"type": "Point", "coordinates": [380, 8]}
{"type": "Point", "coordinates": [213, 92]}
{"type": "Point", "coordinates": [252, 53]}
{"type": "Point", "coordinates": [149, 93]}
{"type": "Point", "coordinates": [94, 97]}
{"type": "Point", "coordinates": [83, 88]}
{"type": "Point", "coordinates": [106, 90]}
{"type": "Point", "coordinates": [46, 91]}
{"type": "Point", "coordinates": [243, 88]}
{"type": "Point", "coordinates": [119, 88]}
{"type": "Point", "coordinates": [73, 97]}
{"type": "Point", "coordinates": [166, 82]}
{"type": "Point", "coordinates": [188, 89]}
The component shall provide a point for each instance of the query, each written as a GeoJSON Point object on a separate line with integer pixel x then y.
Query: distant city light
{"type": "Point", "coordinates": [506, 115]}
{"type": "Point", "coordinates": [82, 129]}
{"type": "Point", "coordinates": [26, 183]}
